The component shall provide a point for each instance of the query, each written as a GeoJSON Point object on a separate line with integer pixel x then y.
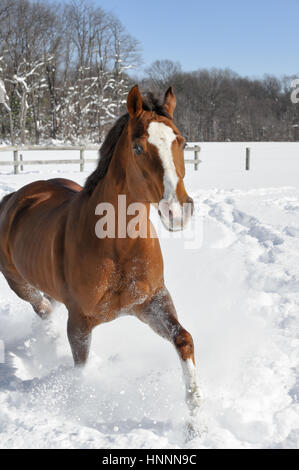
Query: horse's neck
{"type": "Point", "coordinates": [111, 186]}
{"type": "Point", "coordinates": [118, 182]}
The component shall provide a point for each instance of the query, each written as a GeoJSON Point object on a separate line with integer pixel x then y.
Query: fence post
{"type": "Point", "coordinates": [16, 162]}
{"type": "Point", "coordinates": [81, 159]}
{"type": "Point", "coordinates": [21, 159]}
{"type": "Point", "coordinates": [247, 165]}
{"type": "Point", "coordinates": [196, 159]}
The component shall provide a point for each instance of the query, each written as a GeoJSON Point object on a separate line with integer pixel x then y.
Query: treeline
{"type": "Point", "coordinates": [64, 70]}
{"type": "Point", "coordinates": [219, 105]}
{"type": "Point", "coordinates": [64, 77]}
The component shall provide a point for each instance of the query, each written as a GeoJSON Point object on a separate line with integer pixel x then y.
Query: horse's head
{"type": "Point", "coordinates": [157, 150]}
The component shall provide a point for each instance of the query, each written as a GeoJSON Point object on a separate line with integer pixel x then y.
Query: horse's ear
{"type": "Point", "coordinates": [134, 102]}
{"type": "Point", "coordinates": [169, 101]}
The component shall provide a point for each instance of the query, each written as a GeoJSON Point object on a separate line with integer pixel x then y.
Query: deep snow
{"type": "Point", "coordinates": [237, 294]}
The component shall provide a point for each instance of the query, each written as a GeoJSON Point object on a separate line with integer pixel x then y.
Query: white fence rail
{"type": "Point", "coordinates": [18, 161]}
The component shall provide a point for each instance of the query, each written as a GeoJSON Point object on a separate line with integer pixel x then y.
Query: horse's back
{"type": "Point", "coordinates": [54, 192]}
{"type": "Point", "coordinates": [27, 215]}
{"type": "Point", "coordinates": [65, 183]}
{"type": "Point", "coordinates": [56, 188]}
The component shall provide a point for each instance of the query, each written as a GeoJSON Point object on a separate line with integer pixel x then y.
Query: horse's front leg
{"type": "Point", "coordinates": [160, 315]}
{"type": "Point", "coordinates": [79, 336]}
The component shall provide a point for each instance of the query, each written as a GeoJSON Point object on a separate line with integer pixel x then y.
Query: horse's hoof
{"type": "Point", "coordinates": [194, 430]}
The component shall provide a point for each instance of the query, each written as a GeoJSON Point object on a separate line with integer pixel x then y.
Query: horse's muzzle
{"type": "Point", "coordinates": [174, 215]}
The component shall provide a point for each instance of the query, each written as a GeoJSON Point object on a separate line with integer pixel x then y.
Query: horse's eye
{"type": "Point", "coordinates": [184, 145]}
{"type": "Point", "coordinates": [138, 149]}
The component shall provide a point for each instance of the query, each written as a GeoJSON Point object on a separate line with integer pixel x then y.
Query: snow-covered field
{"type": "Point", "coordinates": [237, 293]}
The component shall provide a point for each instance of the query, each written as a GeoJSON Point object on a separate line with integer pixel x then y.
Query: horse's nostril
{"type": "Point", "coordinates": [159, 212]}
{"type": "Point", "coordinates": [170, 215]}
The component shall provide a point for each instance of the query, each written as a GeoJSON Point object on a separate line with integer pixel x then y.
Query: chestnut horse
{"type": "Point", "coordinates": [49, 249]}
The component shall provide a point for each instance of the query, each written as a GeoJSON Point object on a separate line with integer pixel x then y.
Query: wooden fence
{"type": "Point", "coordinates": [18, 161]}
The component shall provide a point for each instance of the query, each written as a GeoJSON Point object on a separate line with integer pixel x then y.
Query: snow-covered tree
{"type": "Point", "coordinates": [5, 99]}
{"type": "Point", "coordinates": [64, 69]}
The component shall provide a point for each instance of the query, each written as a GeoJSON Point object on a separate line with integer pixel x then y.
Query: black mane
{"type": "Point", "coordinates": [151, 103]}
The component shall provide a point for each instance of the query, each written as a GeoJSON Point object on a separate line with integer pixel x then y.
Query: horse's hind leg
{"type": "Point", "coordinates": [160, 315]}
{"type": "Point", "coordinates": [41, 305]}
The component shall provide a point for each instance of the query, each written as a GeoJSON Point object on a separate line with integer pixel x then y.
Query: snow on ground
{"type": "Point", "coordinates": [236, 291]}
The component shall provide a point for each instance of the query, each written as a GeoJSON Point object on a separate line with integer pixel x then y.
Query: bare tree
{"type": "Point", "coordinates": [161, 72]}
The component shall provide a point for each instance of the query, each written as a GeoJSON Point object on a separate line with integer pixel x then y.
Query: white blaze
{"type": "Point", "coordinates": [162, 136]}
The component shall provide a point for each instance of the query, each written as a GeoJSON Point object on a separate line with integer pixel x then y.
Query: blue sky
{"type": "Point", "coordinates": [251, 37]}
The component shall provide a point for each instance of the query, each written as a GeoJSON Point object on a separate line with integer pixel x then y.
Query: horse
{"type": "Point", "coordinates": [49, 249]}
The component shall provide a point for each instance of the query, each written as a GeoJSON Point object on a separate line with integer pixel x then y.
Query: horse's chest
{"type": "Point", "coordinates": [122, 287]}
